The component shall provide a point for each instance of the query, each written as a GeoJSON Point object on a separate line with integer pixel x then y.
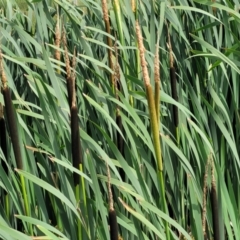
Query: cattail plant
{"type": "Point", "coordinates": [76, 145]}
{"type": "Point", "coordinates": [11, 117]}
{"type": "Point", "coordinates": [154, 124]}
{"type": "Point", "coordinates": [75, 134]}
{"type": "Point", "coordinates": [13, 130]}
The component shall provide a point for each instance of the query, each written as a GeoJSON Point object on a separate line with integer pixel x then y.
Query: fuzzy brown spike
{"type": "Point", "coordinates": [11, 117]}
{"type": "Point", "coordinates": [205, 197]}
{"type": "Point", "coordinates": [214, 203]}
{"type": "Point", "coordinates": [76, 145]}
{"type": "Point", "coordinates": [113, 224]}
{"type": "Point", "coordinates": [12, 123]}
{"type": "Point", "coordinates": [3, 142]}
{"type": "Point", "coordinates": [111, 213]}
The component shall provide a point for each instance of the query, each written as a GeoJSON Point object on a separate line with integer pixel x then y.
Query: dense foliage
{"type": "Point", "coordinates": [86, 136]}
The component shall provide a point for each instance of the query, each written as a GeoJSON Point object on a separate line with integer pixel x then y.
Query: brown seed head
{"type": "Point", "coordinates": [2, 72]}
{"type": "Point", "coordinates": [105, 10]}
{"type": "Point", "coordinates": [57, 40]}
{"type": "Point", "coordinates": [67, 62]}
{"type": "Point", "coordinates": [142, 56]}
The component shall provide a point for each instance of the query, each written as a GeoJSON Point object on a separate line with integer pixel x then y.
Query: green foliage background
{"type": "Point", "coordinates": [205, 45]}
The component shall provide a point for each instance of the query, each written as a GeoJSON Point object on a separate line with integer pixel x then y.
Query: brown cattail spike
{"type": "Point", "coordinates": [113, 224]}
{"type": "Point", "coordinates": [12, 123]}
{"type": "Point", "coordinates": [2, 73]}
{"type": "Point", "coordinates": [111, 213]}
{"type": "Point", "coordinates": [214, 203]}
{"type": "Point", "coordinates": [3, 143]}
{"type": "Point", "coordinates": [11, 117]}
{"type": "Point", "coordinates": [204, 207]}
{"type": "Point", "coordinates": [76, 146]}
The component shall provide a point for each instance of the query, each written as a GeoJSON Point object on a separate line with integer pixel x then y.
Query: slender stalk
{"type": "Point", "coordinates": [154, 126]}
